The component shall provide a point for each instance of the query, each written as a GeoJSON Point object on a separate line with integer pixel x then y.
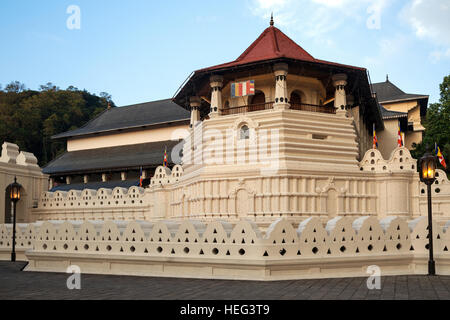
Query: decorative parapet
{"type": "Point", "coordinates": [104, 198]}
{"type": "Point", "coordinates": [11, 155]}
{"type": "Point", "coordinates": [221, 250]}
{"type": "Point", "coordinates": [10, 151]}
{"type": "Point", "coordinates": [164, 175]}
{"type": "Point", "coordinates": [400, 161]}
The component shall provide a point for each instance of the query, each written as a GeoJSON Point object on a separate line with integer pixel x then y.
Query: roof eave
{"type": "Point", "coordinates": [62, 136]}
{"type": "Point", "coordinates": [404, 99]}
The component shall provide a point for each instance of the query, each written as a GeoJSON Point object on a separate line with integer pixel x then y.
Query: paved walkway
{"type": "Point", "coordinates": [15, 284]}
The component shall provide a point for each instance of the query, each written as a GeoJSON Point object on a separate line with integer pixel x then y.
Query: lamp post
{"type": "Point", "coordinates": [14, 196]}
{"type": "Point", "coordinates": [427, 165]}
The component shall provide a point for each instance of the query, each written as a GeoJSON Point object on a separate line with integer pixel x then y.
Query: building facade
{"type": "Point", "coordinates": [398, 107]}
{"type": "Point", "coordinates": [112, 149]}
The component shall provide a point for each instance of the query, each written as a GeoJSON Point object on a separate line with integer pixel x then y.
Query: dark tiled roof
{"type": "Point", "coordinates": [105, 159]}
{"type": "Point", "coordinates": [389, 114]}
{"type": "Point", "coordinates": [387, 91]}
{"type": "Point", "coordinates": [134, 116]}
{"type": "Point", "coordinates": [96, 185]}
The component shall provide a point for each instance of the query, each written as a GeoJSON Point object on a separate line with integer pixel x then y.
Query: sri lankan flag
{"type": "Point", "coordinates": [439, 155]}
{"type": "Point", "coordinates": [141, 178]}
{"type": "Point", "coordinates": [400, 137]}
{"type": "Point", "coordinates": [165, 162]}
{"type": "Point", "coordinates": [241, 89]}
{"type": "Point", "coordinates": [375, 139]}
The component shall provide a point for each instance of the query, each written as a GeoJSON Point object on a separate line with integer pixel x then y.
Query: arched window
{"type": "Point", "coordinates": [296, 98]}
{"type": "Point", "coordinates": [244, 133]}
{"type": "Point", "coordinates": [258, 98]}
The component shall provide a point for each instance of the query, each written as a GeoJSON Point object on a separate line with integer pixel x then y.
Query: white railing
{"type": "Point", "coordinates": [342, 245]}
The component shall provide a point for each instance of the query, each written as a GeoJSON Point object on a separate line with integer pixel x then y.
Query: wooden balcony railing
{"type": "Point", "coordinates": [312, 108]}
{"type": "Point", "coordinates": [269, 105]}
{"type": "Point", "coordinates": [248, 108]}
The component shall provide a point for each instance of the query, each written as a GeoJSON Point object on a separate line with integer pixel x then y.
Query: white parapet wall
{"type": "Point", "coordinates": [221, 250]}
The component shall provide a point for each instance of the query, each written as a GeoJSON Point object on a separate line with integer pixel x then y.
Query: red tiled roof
{"type": "Point", "coordinates": [273, 44]}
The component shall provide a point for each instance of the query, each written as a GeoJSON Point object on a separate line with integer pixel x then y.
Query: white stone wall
{"type": "Point", "coordinates": [218, 249]}
{"type": "Point", "coordinates": [23, 165]}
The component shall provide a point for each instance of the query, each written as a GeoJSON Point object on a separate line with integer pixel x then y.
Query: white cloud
{"type": "Point", "coordinates": [430, 20]}
{"type": "Point", "coordinates": [389, 48]}
{"type": "Point", "coordinates": [316, 18]}
{"type": "Point", "coordinates": [438, 55]}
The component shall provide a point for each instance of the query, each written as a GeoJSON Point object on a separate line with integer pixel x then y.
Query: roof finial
{"type": "Point", "coordinates": [387, 78]}
{"type": "Point", "coordinates": [271, 20]}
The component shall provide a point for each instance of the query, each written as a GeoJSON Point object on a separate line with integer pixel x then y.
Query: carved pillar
{"type": "Point", "coordinates": [85, 178]}
{"type": "Point", "coordinates": [104, 177]}
{"type": "Point", "coordinates": [123, 176]}
{"type": "Point", "coordinates": [68, 180]}
{"type": "Point", "coordinates": [216, 83]}
{"type": "Point", "coordinates": [195, 110]}
{"type": "Point", "coordinates": [340, 98]}
{"type": "Point", "coordinates": [281, 92]}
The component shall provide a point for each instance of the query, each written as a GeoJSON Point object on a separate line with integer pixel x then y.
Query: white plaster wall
{"type": "Point", "coordinates": [174, 132]}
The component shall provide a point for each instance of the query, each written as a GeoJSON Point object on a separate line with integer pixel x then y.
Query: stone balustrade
{"type": "Point", "coordinates": [219, 249]}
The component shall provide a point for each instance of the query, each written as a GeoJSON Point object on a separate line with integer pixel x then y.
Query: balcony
{"type": "Point", "coordinates": [269, 105]}
{"type": "Point", "coordinates": [312, 108]}
{"type": "Point", "coordinates": [247, 108]}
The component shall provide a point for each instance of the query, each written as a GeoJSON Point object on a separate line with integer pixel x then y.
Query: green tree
{"type": "Point", "coordinates": [30, 118]}
{"type": "Point", "coordinates": [437, 125]}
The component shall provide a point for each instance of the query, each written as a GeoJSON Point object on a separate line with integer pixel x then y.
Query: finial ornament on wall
{"type": "Point", "coordinates": [271, 20]}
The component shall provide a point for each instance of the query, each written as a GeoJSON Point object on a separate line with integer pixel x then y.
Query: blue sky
{"type": "Point", "coordinates": [142, 50]}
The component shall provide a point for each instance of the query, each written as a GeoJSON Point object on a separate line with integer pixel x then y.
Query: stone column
{"type": "Point", "coordinates": [195, 110]}
{"type": "Point", "coordinates": [104, 177]}
{"type": "Point", "coordinates": [86, 178]}
{"type": "Point", "coordinates": [216, 83]}
{"type": "Point", "coordinates": [281, 92]}
{"type": "Point", "coordinates": [68, 180]}
{"type": "Point", "coordinates": [51, 183]}
{"type": "Point", "coordinates": [340, 98]}
{"type": "Point", "coordinates": [123, 176]}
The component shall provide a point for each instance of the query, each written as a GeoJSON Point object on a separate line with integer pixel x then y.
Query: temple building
{"type": "Point", "coordinates": [398, 107]}
{"type": "Point", "coordinates": [110, 150]}
{"type": "Point", "coordinates": [274, 133]}
{"type": "Point", "coordinates": [271, 175]}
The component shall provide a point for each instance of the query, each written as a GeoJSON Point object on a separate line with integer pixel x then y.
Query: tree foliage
{"type": "Point", "coordinates": [29, 118]}
{"type": "Point", "coordinates": [437, 125]}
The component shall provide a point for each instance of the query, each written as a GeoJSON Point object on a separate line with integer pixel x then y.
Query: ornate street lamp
{"type": "Point", "coordinates": [427, 171]}
{"type": "Point", "coordinates": [14, 196]}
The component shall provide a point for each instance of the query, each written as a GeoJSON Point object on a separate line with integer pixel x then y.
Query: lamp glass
{"type": "Point", "coordinates": [431, 168]}
{"type": "Point", "coordinates": [15, 192]}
